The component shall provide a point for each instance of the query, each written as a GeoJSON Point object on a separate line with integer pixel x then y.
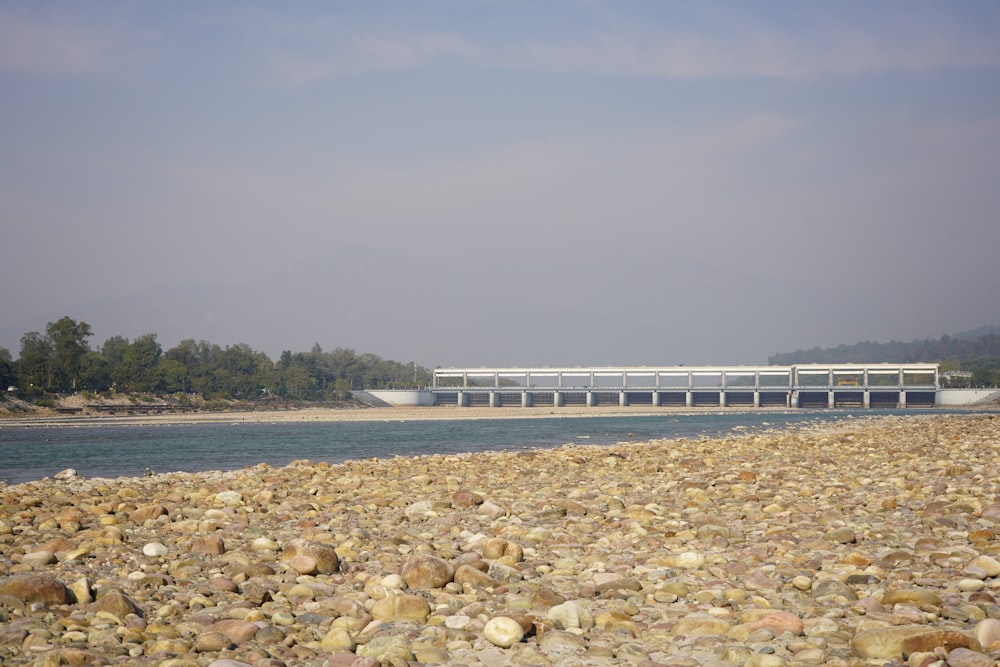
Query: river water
{"type": "Point", "coordinates": [30, 453]}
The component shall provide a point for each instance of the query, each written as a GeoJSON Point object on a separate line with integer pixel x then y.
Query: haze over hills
{"type": "Point", "coordinates": [966, 346]}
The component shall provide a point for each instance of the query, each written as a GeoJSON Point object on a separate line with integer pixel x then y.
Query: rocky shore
{"type": "Point", "coordinates": [869, 542]}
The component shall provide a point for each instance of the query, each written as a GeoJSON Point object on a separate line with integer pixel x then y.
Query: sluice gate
{"type": "Point", "coordinates": [798, 386]}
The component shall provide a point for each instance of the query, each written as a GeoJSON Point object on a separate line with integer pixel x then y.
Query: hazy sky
{"type": "Point", "coordinates": [502, 182]}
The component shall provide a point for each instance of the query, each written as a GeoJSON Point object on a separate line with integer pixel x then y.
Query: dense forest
{"type": "Point", "coordinates": [60, 361]}
{"type": "Point", "coordinates": [975, 352]}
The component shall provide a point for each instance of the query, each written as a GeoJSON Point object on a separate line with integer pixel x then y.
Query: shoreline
{"type": "Point", "coordinates": [435, 413]}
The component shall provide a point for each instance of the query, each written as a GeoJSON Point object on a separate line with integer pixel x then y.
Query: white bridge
{"type": "Point", "coordinates": [801, 385]}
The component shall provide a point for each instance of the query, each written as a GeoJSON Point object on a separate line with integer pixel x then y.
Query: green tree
{"type": "Point", "coordinates": [139, 370]}
{"type": "Point", "coordinates": [34, 363]}
{"type": "Point", "coordinates": [8, 376]}
{"type": "Point", "coordinates": [174, 375]}
{"type": "Point", "coordinates": [68, 339]}
{"type": "Point", "coordinates": [95, 373]}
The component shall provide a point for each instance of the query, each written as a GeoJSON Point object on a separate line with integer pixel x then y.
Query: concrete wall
{"type": "Point", "coordinates": [404, 397]}
{"type": "Point", "coordinates": [957, 397]}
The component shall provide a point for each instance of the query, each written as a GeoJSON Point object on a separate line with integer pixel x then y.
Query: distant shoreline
{"type": "Point", "coordinates": [320, 415]}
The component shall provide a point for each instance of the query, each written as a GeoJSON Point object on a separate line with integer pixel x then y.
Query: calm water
{"type": "Point", "coordinates": [30, 453]}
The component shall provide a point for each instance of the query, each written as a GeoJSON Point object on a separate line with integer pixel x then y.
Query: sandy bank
{"type": "Point", "coordinates": [354, 414]}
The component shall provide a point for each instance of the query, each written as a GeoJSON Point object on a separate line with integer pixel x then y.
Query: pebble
{"type": "Point", "coordinates": [869, 541]}
{"type": "Point", "coordinates": [503, 631]}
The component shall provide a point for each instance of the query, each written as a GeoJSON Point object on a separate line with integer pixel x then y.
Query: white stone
{"type": "Point", "coordinates": [570, 615]}
{"type": "Point", "coordinates": [154, 549]}
{"type": "Point", "coordinates": [503, 631]}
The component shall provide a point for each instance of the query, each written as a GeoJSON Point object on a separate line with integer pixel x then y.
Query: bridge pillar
{"type": "Point", "coordinates": [623, 399]}
{"type": "Point", "coordinates": [463, 400]}
{"type": "Point", "coordinates": [867, 400]}
{"type": "Point", "coordinates": [689, 399]}
{"type": "Point", "coordinates": [722, 399]}
{"type": "Point", "coordinates": [831, 400]}
{"type": "Point", "coordinates": [902, 398]}
{"type": "Point", "coordinates": [756, 398]}
{"type": "Point", "coordinates": [494, 399]}
{"type": "Point", "coordinates": [526, 399]}
{"type": "Point", "coordinates": [591, 399]}
{"type": "Point", "coordinates": [656, 399]}
{"type": "Point", "coordinates": [557, 399]}
{"type": "Point", "coordinates": [793, 400]}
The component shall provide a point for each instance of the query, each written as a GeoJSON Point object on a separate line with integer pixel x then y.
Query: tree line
{"type": "Point", "coordinates": [979, 355]}
{"type": "Point", "coordinates": [61, 360]}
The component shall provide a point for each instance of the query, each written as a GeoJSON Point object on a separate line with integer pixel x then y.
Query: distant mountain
{"type": "Point", "coordinates": [967, 346]}
{"type": "Point", "coordinates": [989, 330]}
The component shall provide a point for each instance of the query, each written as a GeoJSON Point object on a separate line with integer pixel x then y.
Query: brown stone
{"type": "Point", "coordinates": [146, 512]}
{"type": "Point", "coordinates": [467, 574]}
{"type": "Point", "coordinates": [115, 602]}
{"type": "Point", "coordinates": [327, 561]}
{"type": "Point", "coordinates": [426, 571]}
{"type": "Point", "coordinates": [238, 631]}
{"type": "Point", "coordinates": [212, 545]}
{"type": "Point", "coordinates": [210, 642]}
{"type": "Point", "coordinates": [928, 641]}
{"type": "Point", "coordinates": [401, 608]}
{"type": "Point", "coordinates": [462, 499]}
{"type": "Point", "coordinates": [35, 588]}
{"type": "Point", "coordinates": [779, 622]}
{"type": "Point", "coordinates": [917, 596]}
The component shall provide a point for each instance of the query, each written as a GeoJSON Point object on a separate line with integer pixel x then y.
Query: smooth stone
{"type": "Point", "coordinates": [698, 625]}
{"type": "Point", "coordinates": [467, 574]}
{"type": "Point", "coordinates": [988, 564]}
{"type": "Point", "coordinates": [211, 642]}
{"type": "Point", "coordinates": [387, 649]}
{"type": "Point", "coordinates": [237, 630]}
{"type": "Point", "coordinates": [571, 615]}
{"type": "Point", "coordinates": [503, 631]}
{"type": "Point", "coordinates": [497, 547]}
{"type": "Point", "coordinates": [614, 621]}
{"type": "Point", "coordinates": [779, 622]}
{"type": "Point", "coordinates": [39, 588]}
{"type": "Point", "coordinates": [987, 633]}
{"type": "Point", "coordinates": [81, 591]}
{"type": "Point", "coordinates": [969, 585]}
{"type": "Point", "coordinates": [303, 564]}
{"type": "Point", "coordinates": [425, 571]}
{"type": "Point", "coordinates": [338, 639]}
{"type": "Point", "coordinates": [631, 653]}
{"type": "Point", "coordinates": [688, 560]}
{"type": "Point", "coordinates": [934, 639]}
{"type": "Point", "coordinates": [212, 545]}
{"type": "Point", "coordinates": [884, 642]}
{"type": "Point", "coordinates": [116, 603]}
{"type": "Point", "coordinates": [963, 657]}
{"type": "Point", "coordinates": [402, 607]}
{"type": "Point", "coordinates": [38, 559]}
{"type": "Point", "coordinates": [154, 549]}
{"type": "Point", "coordinates": [917, 596]}
{"type": "Point", "coordinates": [325, 555]}
{"type": "Point", "coordinates": [264, 545]}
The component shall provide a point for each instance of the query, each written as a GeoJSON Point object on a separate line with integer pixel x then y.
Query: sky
{"type": "Point", "coordinates": [502, 182]}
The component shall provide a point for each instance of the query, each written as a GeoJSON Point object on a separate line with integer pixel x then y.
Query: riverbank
{"type": "Point", "coordinates": [353, 414]}
{"type": "Point", "coordinates": [844, 544]}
